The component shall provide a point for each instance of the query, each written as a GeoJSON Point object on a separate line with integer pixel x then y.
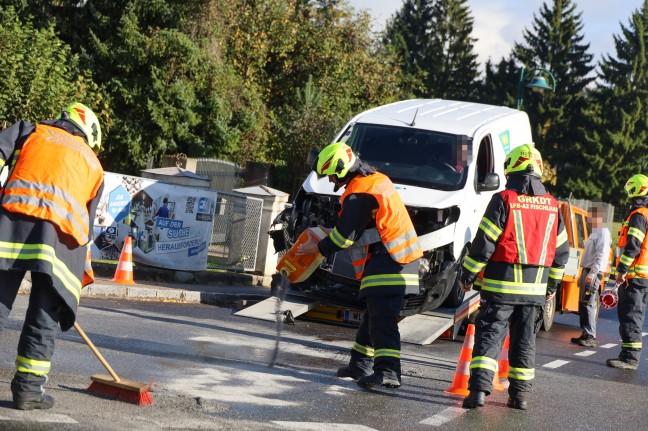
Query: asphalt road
{"type": "Point", "coordinates": [208, 370]}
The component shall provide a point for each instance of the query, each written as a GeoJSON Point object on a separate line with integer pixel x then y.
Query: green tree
{"type": "Point", "coordinates": [433, 40]}
{"type": "Point", "coordinates": [558, 119]}
{"type": "Point", "coordinates": [620, 135]}
{"type": "Point", "coordinates": [40, 74]}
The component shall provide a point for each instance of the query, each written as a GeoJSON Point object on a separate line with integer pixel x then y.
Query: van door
{"type": "Point", "coordinates": [484, 165]}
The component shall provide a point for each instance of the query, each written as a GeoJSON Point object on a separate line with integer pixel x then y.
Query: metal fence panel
{"type": "Point", "coordinates": [235, 236]}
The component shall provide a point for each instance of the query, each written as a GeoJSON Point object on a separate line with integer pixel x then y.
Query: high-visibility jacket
{"type": "Point", "coordinates": [529, 235]}
{"type": "Point", "coordinates": [55, 177]}
{"type": "Point", "coordinates": [393, 224]}
{"type": "Point", "coordinates": [637, 266]}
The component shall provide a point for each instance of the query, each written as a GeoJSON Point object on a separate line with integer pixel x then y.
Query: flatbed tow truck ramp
{"type": "Point", "coordinates": [415, 329]}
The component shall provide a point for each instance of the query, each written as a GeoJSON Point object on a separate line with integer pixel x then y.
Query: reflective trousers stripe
{"type": "Point", "coordinates": [367, 351]}
{"type": "Point", "coordinates": [483, 362]}
{"type": "Point", "coordinates": [521, 373]}
{"type": "Point", "coordinates": [388, 352]}
{"type": "Point", "coordinates": [32, 366]}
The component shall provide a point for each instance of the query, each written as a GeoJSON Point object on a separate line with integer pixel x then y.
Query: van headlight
{"type": "Point", "coordinates": [424, 267]}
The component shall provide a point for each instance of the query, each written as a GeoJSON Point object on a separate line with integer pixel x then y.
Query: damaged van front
{"type": "Point", "coordinates": [446, 160]}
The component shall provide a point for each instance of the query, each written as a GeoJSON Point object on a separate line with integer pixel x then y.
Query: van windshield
{"type": "Point", "coordinates": [413, 156]}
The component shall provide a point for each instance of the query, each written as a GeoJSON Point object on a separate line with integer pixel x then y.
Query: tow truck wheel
{"type": "Point", "coordinates": [549, 312]}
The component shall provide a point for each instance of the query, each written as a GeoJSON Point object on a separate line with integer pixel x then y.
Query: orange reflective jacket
{"type": "Point", "coordinates": [392, 221]}
{"type": "Point", "coordinates": [54, 179]}
{"type": "Point", "coordinates": [639, 265]}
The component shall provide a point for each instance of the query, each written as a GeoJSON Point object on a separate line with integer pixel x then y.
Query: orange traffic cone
{"type": "Point", "coordinates": [459, 384]}
{"type": "Point", "coordinates": [503, 364]}
{"type": "Point", "coordinates": [124, 273]}
{"type": "Point", "coordinates": [497, 384]}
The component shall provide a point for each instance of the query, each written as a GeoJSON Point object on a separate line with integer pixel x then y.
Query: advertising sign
{"type": "Point", "coordinates": [170, 224]}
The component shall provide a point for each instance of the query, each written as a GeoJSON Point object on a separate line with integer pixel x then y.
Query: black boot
{"type": "Point", "coordinates": [474, 399]}
{"type": "Point", "coordinates": [375, 380]}
{"type": "Point", "coordinates": [517, 403]}
{"type": "Point", "coordinates": [351, 371]}
{"type": "Point", "coordinates": [33, 402]}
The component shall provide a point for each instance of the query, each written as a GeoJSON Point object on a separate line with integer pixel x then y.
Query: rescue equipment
{"type": "Point", "coordinates": [609, 297]}
{"type": "Point", "coordinates": [299, 268]}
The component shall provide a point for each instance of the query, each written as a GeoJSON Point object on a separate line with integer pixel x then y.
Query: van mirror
{"type": "Point", "coordinates": [491, 183]}
{"type": "Point", "coordinates": [312, 156]}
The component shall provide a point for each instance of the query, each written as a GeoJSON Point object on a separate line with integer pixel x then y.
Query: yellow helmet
{"type": "Point", "coordinates": [335, 159]}
{"type": "Point", "coordinates": [524, 159]}
{"type": "Point", "coordinates": [87, 121]}
{"type": "Point", "coordinates": [637, 185]}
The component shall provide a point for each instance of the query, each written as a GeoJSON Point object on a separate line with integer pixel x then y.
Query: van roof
{"type": "Point", "coordinates": [447, 116]}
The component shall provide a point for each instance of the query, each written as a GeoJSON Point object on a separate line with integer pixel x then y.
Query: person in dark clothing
{"type": "Point", "coordinates": [632, 275]}
{"type": "Point", "coordinates": [47, 209]}
{"type": "Point", "coordinates": [163, 211]}
{"type": "Point", "coordinates": [375, 228]}
{"type": "Point", "coordinates": [521, 247]}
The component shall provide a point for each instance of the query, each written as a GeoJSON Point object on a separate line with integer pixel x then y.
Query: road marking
{"type": "Point", "coordinates": [444, 416]}
{"type": "Point", "coordinates": [608, 346]}
{"type": "Point", "coordinates": [322, 426]}
{"type": "Point", "coordinates": [41, 417]}
{"type": "Point", "coordinates": [338, 390]}
{"type": "Point", "coordinates": [644, 334]}
{"type": "Point", "coordinates": [585, 353]}
{"type": "Point", "coordinates": [556, 364]}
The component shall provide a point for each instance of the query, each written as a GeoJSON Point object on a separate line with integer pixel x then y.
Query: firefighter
{"type": "Point", "coordinates": [47, 208]}
{"type": "Point", "coordinates": [632, 275]}
{"type": "Point", "coordinates": [374, 226]}
{"type": "Point", "coordinates": [521, 246]}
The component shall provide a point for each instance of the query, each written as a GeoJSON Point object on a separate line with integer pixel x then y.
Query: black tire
{"type": "Point", "coordinates": [549, 313]}
{"type": "Point", "coordinates": [456, 296]}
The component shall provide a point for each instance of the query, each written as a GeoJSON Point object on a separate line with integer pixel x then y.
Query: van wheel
{"type": "Point", "coordinates": [549, 312]}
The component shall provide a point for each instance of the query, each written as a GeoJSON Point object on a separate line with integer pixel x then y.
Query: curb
{"type": "Point", "coordinates": [140, 293]}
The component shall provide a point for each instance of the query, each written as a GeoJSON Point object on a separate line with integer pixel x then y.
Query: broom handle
{"type": "Point", "coordinates": [96, 352]}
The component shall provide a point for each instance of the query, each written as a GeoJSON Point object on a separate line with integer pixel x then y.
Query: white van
{"type": "Point", "coordinates": [446, 159]}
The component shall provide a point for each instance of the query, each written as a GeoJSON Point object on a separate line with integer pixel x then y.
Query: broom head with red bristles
{"type": "Point", "coordinates": [123, 390]}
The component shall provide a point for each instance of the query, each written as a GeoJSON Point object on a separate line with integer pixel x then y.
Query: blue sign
{"type": "Point", "coordinates": [119, 203]}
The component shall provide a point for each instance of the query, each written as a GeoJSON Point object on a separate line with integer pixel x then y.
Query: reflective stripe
{"type": "Point", "coordinates": [627, 261]}
{"type": "Point", "coordinates": [556, 273]}
{"type": "Point", "coordinates": [490, 229]}
{"type": "Point", "coordinates": [521, 373]}
{"type": "Point", "coordinates": [339, 240]}
{"type": "Point", "coordinates": [483, 362]}
{"type": "Point", "coordinates": [2, 163]}
{"type": "Point", "coordinates": [472, 265]}
{"type": "Point", "coordinates": [519, 236]}
{"type": "Point", "coordinates": [402, 239]}
{"type": "Point", "coordinates": [390, 280]}
{"type": "Point", "coordinates": [52, 198]}
{"type": "Point", "coordinates": [388, 352]}
{"type": "Point", "coordinates": [406, 251]}
{"type": "Point", "coordinates": [517, 273]}
{"type": "Point", "coordinates": [637, 233]}
{"type": "Point", "coordinates": [46, 253]}
{"type": "Point", "coordinates": [516, 288]}
{"type": "Point", "coordinates": [32, 366]}
{"type": "Point", "coordinates": [632, 345]}
{"type": "Point", "coordinates": [367, 351]}
{"type": "Point", "coordinates": [545, 241]}
{"type": "Point", "coordinates": [561, 238]}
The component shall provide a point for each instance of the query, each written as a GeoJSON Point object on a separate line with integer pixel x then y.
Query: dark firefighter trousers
{"type": "Point", "coordinates": [491, 327]}
{"type": "Point", "coordinates": [377, 344]}
{"type": "Point", "coordinates": [631, 311]}
{"type": "Point", "coordinates": [41, 326]}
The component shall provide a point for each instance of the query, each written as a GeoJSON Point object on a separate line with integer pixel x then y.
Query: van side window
{"type": "Point", "coordinates": [581, 228]}
{"type": "Point", "coordinates": [484, 159]}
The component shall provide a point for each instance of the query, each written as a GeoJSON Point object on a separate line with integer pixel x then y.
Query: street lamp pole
{"type": "Point", "coordinates": [539, 82]}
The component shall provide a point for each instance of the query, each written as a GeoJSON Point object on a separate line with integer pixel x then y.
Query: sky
{"type": "Point", "coordinates": [498, 24]}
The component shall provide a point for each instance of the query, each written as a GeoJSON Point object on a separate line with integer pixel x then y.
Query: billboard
{"type": "Point", "coordinates": [171, 225]}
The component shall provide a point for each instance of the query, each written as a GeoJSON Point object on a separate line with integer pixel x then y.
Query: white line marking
{"type": "Point", "coordinates": [585, 353]}
{"type": "Point", "coordinates": [556, 364]}
{"type": "Point", "coordinates": [444, 416]}
{"type": "Point", "coordinates": [322, 426]}
{"type": "Point", "coordinates": [643, 334]}
{"type": "Point", "coordinates": [608, 346]}
{"type": "Point", "coordinates": [41, 417]}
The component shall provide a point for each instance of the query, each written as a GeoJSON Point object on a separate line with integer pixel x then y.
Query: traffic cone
{"type": "Point", "coordinates": [459, 384]}
{"type": "Point", "coordinates": [503, 364]}
{"type": "Point", "coordinates": [497, 384]}
{"type": "Point", "coordinates": [124, 272]}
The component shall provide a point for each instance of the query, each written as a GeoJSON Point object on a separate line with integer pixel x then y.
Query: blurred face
{"type": "Point", "coordinates": [596, 217]}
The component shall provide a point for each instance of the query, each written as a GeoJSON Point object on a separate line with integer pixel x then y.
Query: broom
{"type": "Point", "coordinates": [113, 386]}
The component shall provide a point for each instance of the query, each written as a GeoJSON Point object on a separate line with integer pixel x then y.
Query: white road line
{"type": "Point", "coordinates": [322, 426]}
{"type": "Point", "coordinates": [556, 364]}
{"type": "Point", "coordinates": [608, 346]}
{"type": "Point", "coordinates": [644, 334]}
{"type": "Point", "coordinates": [585, 353]}
{"type": "Point", "coordinates": [50, 418]}
{"type": "Point", "coordinates": [444, 416]}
